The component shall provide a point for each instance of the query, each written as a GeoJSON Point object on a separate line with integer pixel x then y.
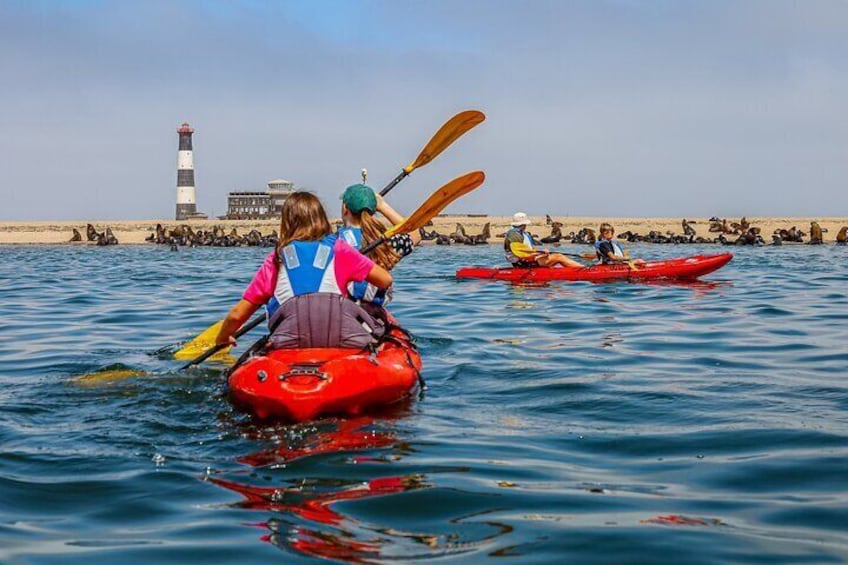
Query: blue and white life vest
{"type": "Point", "coordinates": [362, 291]}
{"type": "Point", "coordinates": [616, 249]}
{"type": "Point", "coordinates": [305, 267]}
{"type": "Point", "coordinates": [351, 235]}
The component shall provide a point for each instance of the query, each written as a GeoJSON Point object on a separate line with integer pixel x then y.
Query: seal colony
{"type": "Point", "coordinates": [729, 233]}
{"type": "Point", "coordinates": [560, 230]}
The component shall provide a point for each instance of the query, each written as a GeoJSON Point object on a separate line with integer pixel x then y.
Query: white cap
{"type": "Point", "coordinates": [520, 219]}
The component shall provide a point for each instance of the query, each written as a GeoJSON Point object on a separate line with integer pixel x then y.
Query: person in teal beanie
{"type": "Point", "coordinates": [360, 204]}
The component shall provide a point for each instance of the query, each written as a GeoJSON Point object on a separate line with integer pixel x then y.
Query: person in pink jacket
{"type": "Point", "coordinates": [304, 285]}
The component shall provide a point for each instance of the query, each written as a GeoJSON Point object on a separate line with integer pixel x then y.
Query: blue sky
{"type": "Point", "coordinates": [600, 108]}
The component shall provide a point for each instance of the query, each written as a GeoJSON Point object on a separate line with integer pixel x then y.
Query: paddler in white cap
{"type": "Point", "coordinates": [521, 252]}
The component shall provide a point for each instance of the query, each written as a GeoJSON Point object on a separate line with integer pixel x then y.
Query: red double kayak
{"type": "Point", "coordinates": [301, 384]}
{"type": "Point", "coordinates": [683, 268]}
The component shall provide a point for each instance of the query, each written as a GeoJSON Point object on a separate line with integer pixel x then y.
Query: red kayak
{"type": "Point", "coordinates": [301, 384]}
{"type": "Point", "coordinates": [683, 268]}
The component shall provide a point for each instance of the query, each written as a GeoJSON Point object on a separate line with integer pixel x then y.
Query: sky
{"type": "Point", "coordinates": [606, 108]}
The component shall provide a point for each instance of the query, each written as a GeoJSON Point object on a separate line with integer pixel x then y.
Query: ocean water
{"type": "Point", "coordinates": [567, 422]}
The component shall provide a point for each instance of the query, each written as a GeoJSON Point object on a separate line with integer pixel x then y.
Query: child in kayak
{"type": "Point", "coordinates": [608, 250]}
{"type": "Point", "coordinates": [359, 205]}
{"type": "Point", "coordinates": [304, 283]}
{"type": "Point", "coordinates": [519, 249]}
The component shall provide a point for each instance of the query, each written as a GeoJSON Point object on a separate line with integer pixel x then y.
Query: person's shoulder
{"type": "Point", "coordinates": [343, 246]}
{"type": "Point", "coordinates": [347, 253]}
{"type": "Point", "coordinates": [271, 258]}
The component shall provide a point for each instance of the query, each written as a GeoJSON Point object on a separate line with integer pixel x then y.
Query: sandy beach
{"type": "Point", "coordinates": [135, 232]}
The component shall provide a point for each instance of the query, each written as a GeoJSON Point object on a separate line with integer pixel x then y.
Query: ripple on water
{"type": "Point", "coordinates": [593, 423]}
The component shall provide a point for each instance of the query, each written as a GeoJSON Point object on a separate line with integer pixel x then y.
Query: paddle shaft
{"type": "Point", "coordinates": [372, 246]}
{"type": "Point", "coordinates": [403, 174]}
{"type": "Point", "coordinates": [243, 330]}
{"type": "Point", "coordinates": [450, 131]}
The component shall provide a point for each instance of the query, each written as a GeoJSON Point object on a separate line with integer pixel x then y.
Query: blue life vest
{"type": "Point", "coordinates": [351, 235]}
{"type": "Point", "coordinates": [362, 291]}
{"type": "Point", "coordinates": [616, 249]}
{"type": "Point", "coordinates": [305, 267]}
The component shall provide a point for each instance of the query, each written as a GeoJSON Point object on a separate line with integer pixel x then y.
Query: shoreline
{"type": "Point", "coordinates": [134, 232]}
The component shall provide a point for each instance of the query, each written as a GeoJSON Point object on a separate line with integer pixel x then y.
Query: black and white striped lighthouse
{"type": "Point", "coordinates": [186, 202]}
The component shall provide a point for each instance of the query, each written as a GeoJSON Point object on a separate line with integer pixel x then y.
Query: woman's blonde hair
{"type": "Point", "coordinates": [372, 230]}
{"type": "Point", "coordinates": [302, 219]}
{"type": "Point", "coordinates": [605, 226]}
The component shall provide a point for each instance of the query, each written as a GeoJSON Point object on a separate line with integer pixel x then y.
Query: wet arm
{"type": "Point", "coordinates": [237, 316]}
{"type": "Point", "coordinates": [379, 277]}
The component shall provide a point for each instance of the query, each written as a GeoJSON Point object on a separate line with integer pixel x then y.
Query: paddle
{"type": "Point", "coordinates": [452, 130]}
{"type": "Point", "coordinates": [209, 353]}
{"type": "Point", "coordinates": [630, 263]}
{"type": "Point", "coordinates": [589, 256]}
{"type": "Point", "coordinates": [119, 372]}
{"type": "Point", "coordinates": [437, 202]}
{"type": "Point", "coordinates": [200, 343]}
{"type": "Point", "coordinates": [432, 206]}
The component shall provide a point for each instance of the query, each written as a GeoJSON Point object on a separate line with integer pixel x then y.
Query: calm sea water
{"type": "Point", "coordinates": [705, 423]}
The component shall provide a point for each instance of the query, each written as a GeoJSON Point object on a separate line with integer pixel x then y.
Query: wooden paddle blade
{"type": "Point", "coordinates": [452, 130]}
{"type": "Point", "coordinates": [438, 201]}
{"type": "Point", "coordinates": [201, 343]}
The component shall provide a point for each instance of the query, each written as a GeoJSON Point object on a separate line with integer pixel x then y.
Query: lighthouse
{"type": "Point", "coordinates": [186, 202]}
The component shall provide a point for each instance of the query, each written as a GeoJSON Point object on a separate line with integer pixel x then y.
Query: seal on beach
{"type": "Point", "coordinates": [77, 236]}
{"type": "Point", "coordinates": [107, 238]}
{"type": "Point", "coordinates": [459, 235]}
{"type": "Point", "coordinates": [740, 227]}
{"type": "Point", "coordinates": [842, 236]}
{"type": "Point", "coordinates": [483, 236]}
{"type": "Point", "coordinates": [816, 237]}
{"type": "Point", "coordinates": [585, 235]}
{"type": "Point", "coordinates": [750, 237]}
{"type": "Point", "coordinates": [91, 233]}
{"type": "Point", "coordinates": [427, 236]}
{"type": "Point", "coordinates": [687, 228]}
{"type": "Point", "coordinates": [792, 235]}
{"type": "Point", "coordinates": [719, 226]}
{"type": "Point", "coordinates": [796, 235]}
{"type": "Point", "coordinates": [556, 233]}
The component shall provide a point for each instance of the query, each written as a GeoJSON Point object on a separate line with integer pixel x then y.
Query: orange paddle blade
{"type": "Point", "coordinates": [438, 201]}
{"type": "Point", "coordinates": [447, 134]}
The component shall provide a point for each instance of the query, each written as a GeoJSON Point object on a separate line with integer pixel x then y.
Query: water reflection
{"type": "Point", "coordinates": [307, 518]}
{"type": "Point", "coordinates": [315, 502]}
